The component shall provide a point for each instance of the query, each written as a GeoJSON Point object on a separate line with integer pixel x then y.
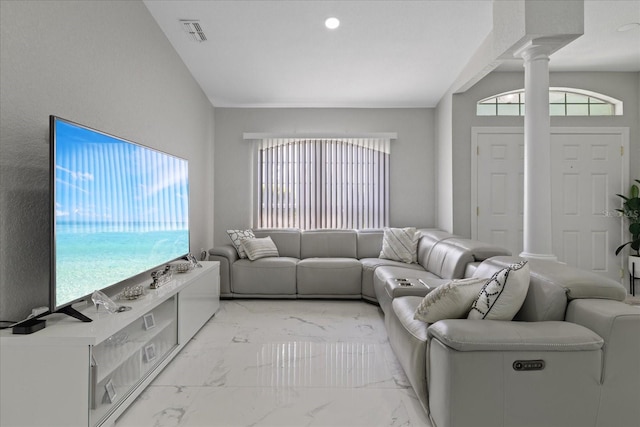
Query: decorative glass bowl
{"type": "Point", "coordinates": [182, 267]}
{"type": "Point", "coordinates": [132, 292]}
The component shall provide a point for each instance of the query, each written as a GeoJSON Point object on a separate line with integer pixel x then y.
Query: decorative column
{"type": "Point", "coordinates": [537, 153]}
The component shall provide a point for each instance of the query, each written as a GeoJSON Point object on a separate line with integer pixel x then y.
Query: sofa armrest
{"type": "Point", "coordinates": [226, 255]}
{"type": "Point", "coordinates": [226, 251]}
{"type": "Point", "coordinates": [619, 324]}
{"type": "Point", "coordinates": [497, 335]}
{"type": "Point", "coordinates": [474, 379]}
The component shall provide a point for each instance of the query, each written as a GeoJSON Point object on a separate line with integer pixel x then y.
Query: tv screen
{"type": "Point", "coordinates": [119, 209]}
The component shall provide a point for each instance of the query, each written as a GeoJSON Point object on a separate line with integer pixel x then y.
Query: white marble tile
{"type": "Point", "coordinates": [316, 320]}
{"type": "Point", "coordinates": [167, 406]}
{"type": "Point", "coordinates": [285, 363]}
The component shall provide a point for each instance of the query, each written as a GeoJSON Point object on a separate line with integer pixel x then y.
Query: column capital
{"type": "Point", "coordinates": [540, 48]}
{"type": "Point", "coordinates": [533, 52]}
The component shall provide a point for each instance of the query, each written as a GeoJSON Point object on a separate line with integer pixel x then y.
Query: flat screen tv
{"type": "Point", "coordinates": [119, 209]}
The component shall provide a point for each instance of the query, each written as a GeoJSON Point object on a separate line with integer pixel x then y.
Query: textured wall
{"type": "Point", "coordinates": [412, 179]}
{"type": "Point", "coordinates": [103, 64]}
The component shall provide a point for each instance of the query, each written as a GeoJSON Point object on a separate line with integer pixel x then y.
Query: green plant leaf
{"type": "Point", "coordinates": [634, 191]}
{"type": "Point", "coordinates": [633, 204]}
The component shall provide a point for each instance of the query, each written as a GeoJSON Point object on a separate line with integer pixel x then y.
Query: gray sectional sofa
{"type": "Point", "coordinates": [570, 357]}
{"type": "Point", "coordinates": [339, 263]}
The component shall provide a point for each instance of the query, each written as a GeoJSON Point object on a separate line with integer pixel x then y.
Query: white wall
{"type": "Point", "coordinates": [412, 179]}
{"type": "Point", "coordinates": [103, 64]}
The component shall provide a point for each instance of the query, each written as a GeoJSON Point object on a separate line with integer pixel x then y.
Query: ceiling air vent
{"type": "Point", "coordinates": [193, 28]}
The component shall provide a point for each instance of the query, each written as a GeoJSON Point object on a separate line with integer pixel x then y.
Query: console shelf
{"type": "Point", "coordinates": [86, 374]}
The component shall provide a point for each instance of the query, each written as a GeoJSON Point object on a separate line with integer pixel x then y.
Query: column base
{"type": "Point", "coordinates": [542, 257]}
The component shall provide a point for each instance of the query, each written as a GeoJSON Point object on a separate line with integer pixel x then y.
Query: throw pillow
{"type": "Point", "coordinates": [237, 236]}
{"type": "Point", "coordinates": [260, 248]}
{"type": "Point", "coordinates": [400, 244]}
{"type": "Point", "coordinates": [502, 296]}
{"type": "Point", "coordinates": [449, 301]}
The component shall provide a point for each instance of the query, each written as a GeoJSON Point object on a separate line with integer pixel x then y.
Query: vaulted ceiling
{"type": "Point", "coordinates": [276, 53]}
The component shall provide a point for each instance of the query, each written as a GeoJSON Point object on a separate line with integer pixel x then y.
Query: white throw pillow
{"type": "Point", "coordinates": [400, 244]}
{"type": "Point", "coordinates": [449, 301]}
{"type": "Point", "coordinates": [237, 236]}
{"type": "Point", "coordinates": [503, 294]}
{"type": "Point", "coordinates": [260, 248]}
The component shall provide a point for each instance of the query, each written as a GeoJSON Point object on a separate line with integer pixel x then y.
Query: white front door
{"type": "Point", "coordinates": [588, 168]}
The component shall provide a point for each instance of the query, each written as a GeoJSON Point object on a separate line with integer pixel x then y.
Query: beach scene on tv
{"type": "Point", "coordinates": [120, 209]}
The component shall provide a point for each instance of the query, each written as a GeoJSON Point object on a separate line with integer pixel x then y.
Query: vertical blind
{"type": "Point", "coordinates": [322, 183]}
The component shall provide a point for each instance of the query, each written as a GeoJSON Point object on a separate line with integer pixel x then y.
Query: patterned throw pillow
{"type": "Point", "coordinates": [260, 248]}
{"type": "Point", "coordinates": [237, 236]}
{"type": "Point", "coordinates": [400, 244]}
{"type": "Point", "coordinates": [502, 296]}
{"type": "Point", "coordinates": [449, 301]}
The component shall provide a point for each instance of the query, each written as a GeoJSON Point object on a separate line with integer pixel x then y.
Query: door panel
{"type": "Point", "coordinates": [587, 169]}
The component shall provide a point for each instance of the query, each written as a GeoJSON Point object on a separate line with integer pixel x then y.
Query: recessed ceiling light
{"type": "Point", "coordinates": [332, 23]}
{"type": "Point", "coordinates": [629, 27]}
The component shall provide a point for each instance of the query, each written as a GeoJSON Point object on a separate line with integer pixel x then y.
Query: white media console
{"type": "Point", "coordinates": [86, 374]}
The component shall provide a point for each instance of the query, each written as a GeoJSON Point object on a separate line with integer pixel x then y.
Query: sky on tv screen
{"type": "Point", "coordinates": [120, 209]}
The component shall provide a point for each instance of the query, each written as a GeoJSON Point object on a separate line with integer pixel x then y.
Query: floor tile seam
{"type": "Point", "coordinates": [276, 388]}
{"type": "Point", "coordinates": [226, 344]}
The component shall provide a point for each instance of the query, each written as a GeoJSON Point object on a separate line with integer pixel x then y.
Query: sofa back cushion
{"type": "Point", "coordinates": [479, 250]}
{"type": "Point", "coordinates": [578, 283]}
{"type": "Point", "coordinates": [328, 244]}
{"type": "Point", "coordinates": [369, 243]}
{"type": "Point", "coordinates": [429, 237]}
{"type": "Point", "coordinates": [287, 240]}
{"type": "Point", "coordinates": [446, 261]}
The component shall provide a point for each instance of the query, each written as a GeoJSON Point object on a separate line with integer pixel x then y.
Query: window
{"type": "Point", "coordinates": [562, 102]}
{"type": "Point", "coordinates": [322, 183]}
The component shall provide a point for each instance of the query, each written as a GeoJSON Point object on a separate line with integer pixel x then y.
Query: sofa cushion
{"type": "Point", "coordinates": [479, 250]}
{"type": "Point", "coordinates": [400, 244]}
{"type": "Point", "coordinates": [261, 247]}
{"type": "Point", "coordinates": [450, 301]}
{"type": "Point", "coordinates": [287, 240]}
{"type": "Point", "coordinates": [325, 277]}
{"type": "Point", "coordinates": [578, 283]}
{"type": "Point", "coordinates": [237, 236]}
{"type": "Point", "coordinates": [266, 276]}
{"type": "Point", "coordinates": [428, 239]}
{"type": "Point", "coordinates": [328, 244]}
{"type": "Point", "coordinates": [502, 296]}
{"type": "Point", "coordinates": [369, 243]}
{"type": "Point", "coordinates": [447, 261]}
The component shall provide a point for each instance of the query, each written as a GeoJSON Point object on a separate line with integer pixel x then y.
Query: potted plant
{"type": "Point", "coordinates": [631, 211]}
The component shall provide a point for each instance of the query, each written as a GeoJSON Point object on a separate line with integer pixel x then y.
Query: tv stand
{"type": "Point", "coordinates": [70, 311]}
{"type": "Point", "coordinates": [87, 374]}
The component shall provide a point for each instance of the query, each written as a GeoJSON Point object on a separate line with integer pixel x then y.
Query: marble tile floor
{"type": "Point", "coordinates": [283, 363]}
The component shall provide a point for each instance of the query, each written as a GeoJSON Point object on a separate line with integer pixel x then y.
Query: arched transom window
{"type": "Point", "coordinates": [562, 102]}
